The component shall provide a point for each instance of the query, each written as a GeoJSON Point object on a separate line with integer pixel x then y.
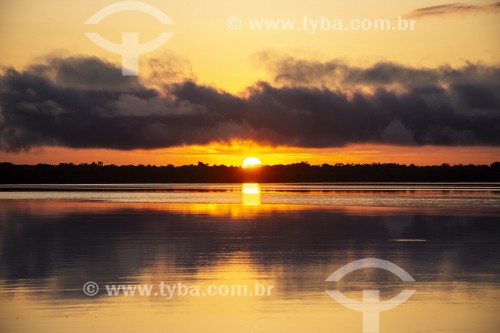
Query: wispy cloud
{"type": "Point", "coordinates": [453, 9]}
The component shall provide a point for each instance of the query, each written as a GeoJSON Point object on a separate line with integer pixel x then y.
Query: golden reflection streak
{"type": "Point", "coordinates": [227, 210]}
{"type": "Point", "coordinates": [250, 194]}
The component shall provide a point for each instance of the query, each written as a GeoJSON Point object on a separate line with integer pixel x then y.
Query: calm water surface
{"type": "Point", "coordinates": [55, 238]}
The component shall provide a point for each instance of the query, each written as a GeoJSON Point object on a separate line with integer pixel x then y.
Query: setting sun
{"type": "Point", "coordinates": [251, 162]}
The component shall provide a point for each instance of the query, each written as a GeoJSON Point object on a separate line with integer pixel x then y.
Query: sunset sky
{"type": "Point", "coordinates": [212, 94]}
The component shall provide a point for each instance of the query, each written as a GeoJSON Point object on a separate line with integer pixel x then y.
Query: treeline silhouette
{"type": "Point", "coordinates": [98, 173]}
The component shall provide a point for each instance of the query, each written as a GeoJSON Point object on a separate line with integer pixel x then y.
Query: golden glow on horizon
{"type": "Point", "coordinates": [234, 152]}
{"type": "Point", "coordinates": [251, 162]}
{"type": "Point", "coordinates": [204, 49]}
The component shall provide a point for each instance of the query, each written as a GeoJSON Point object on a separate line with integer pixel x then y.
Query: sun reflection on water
{"type": "Point", "coordinates": [250, 194]}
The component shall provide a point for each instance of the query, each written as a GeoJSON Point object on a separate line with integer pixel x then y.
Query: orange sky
{"type": "Point", "coordinates": [214, 55]}
{"type": "Point", "coordinates": [235, 154]}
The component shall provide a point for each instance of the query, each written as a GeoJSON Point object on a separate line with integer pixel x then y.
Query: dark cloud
{"type": "Point", "coordinates": [453, 9]}
{"type": "Point", "coordinates": [83, 73]}
{"type": "Point", "coordinates": [335, 74]}
{"type": "Point", "coordinates": [86, 103]}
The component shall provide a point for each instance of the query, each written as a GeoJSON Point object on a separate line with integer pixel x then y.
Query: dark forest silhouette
{"type": "Point", "coordinates": [203, 173]}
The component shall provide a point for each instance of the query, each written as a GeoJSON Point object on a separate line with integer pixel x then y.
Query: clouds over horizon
{"type": "Point", "coordinates": [84, 102]}
{"type": "Point", "coordinates": [453, 9]}
{"type": "Point", "coordinates": [336, 74]}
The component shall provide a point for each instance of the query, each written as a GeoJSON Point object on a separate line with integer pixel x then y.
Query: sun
{"type": "Point", "coordinates": [251, 162]}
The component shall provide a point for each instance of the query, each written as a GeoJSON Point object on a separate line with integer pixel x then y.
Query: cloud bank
{"type": "Point", "coordinates": [454, 9]}
{"type": "Point", "coordinates": [84, 102]}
